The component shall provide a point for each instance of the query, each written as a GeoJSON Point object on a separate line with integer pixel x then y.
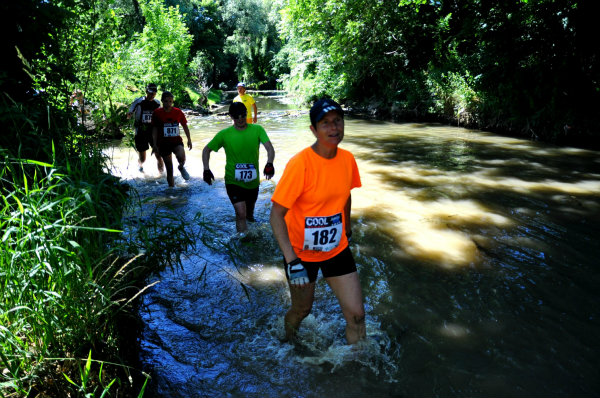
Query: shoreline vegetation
{"type": "Point", "coordinates": [376, 110]}
{"type": "Point", "coordinates": [71, 276]}
{"type": "Point", "coordinates": [72, 267]}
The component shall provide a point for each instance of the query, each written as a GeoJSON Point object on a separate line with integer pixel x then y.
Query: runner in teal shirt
{"type": "Point", "coordinates": [241, 142]}
{"type": "Point", "coordinates": [241, 151]}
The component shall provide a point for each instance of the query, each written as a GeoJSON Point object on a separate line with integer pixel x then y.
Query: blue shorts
{"type": "Point", "coordinates": [342, 264]}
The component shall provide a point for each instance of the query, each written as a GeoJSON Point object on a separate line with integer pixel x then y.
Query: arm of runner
{"type": "Point", "coordinates": [294, 269]}
{"type": "Point", "coordinates": [347, 209]}
{"type": "Point", "coordinates": [206, 157]}
{"type": "Point", "coordinates": [208, 176]}
{"type": "Point", "coordinates": [280, 231]}
{"type": "Point", "coordinates": [154, 139]}
{"type": "Point", "coordinates": [269, 170]}
{"type": "Point", "coordinates": [255, 112]}
{"type": "Point", "coordinates": [187, 134]}
{"type": "Point", "coordinates": [132, 109]}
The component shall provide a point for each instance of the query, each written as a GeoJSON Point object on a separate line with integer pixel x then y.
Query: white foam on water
{"type": "Point", "coordinates": [321, 343]}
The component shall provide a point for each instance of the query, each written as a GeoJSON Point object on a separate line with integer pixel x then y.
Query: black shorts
{"type": "Point", "coordinates": [238, 194]}
{"type": "Point", "coordinates": [143, 139]}
{"type": "Point", "coordinates": [342, 264]}
{"type": "Point", "coordinates": [167, 148]}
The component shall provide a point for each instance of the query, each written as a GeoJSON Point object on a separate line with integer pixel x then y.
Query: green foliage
{"type": "Point", "coordinates": [453, 94]}
{"type": "Point", "coordinates": [254, 40]}
{"type": "Point", "coordinates": [201, 69]}
{"type": "Point", "coordinates": [91, 383]}
{"type": "Point", "coordinates": [232, 40]}
{"type": "Point", "coordinates": [32, 30]}
{"type": "Point", "coordinates": [162, 238]}
{"type": "Point", "coordinates": [345, 56]}
{"type": "Point", "coordinates": [214, 96]}
{"type": "Point", "coordinates": [160, 53]}
{"type": "Point", "coordinates": [55, 291]}
{"type": "Point", "coordinates": [67, 270]}
{"type": "Point", "coordinates": [518, 66]}
{"type": "Point", "coordinates": [204, 20]}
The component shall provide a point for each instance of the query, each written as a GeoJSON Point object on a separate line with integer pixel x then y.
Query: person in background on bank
{"type": "Point", "coordinates": [166, 139]}
{"type": "Point", "coordinates": [77, 102]}
{"type": "Point", "coordinates": [242, 143]}
{"type": "Point", "coordinates": [76, 99]}
{"type": "Point", "coordinates": [142, 108]}
{"type": "Point", "coordinates": [310, 219]}
{"type": "Point", "coordinates": [248, 102]}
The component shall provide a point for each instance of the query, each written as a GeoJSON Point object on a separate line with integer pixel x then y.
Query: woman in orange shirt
{"type": "Point", "coordinates": [310, 219]}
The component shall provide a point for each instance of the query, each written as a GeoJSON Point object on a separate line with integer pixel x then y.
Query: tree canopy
{"type": "Point", "coordinates": [518, 66]}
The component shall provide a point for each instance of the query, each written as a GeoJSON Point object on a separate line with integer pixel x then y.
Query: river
{"type": "Point", "coordinates": [477, 254]}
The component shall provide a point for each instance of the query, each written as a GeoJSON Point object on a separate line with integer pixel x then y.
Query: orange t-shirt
{"type": "Point", "coordinates": [315, 191]}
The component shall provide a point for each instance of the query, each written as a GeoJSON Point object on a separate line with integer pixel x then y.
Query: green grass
{"type": "Point", "coordinates": [70, 268]}
{"type": "Point", "coordinates": [213, 97]}
{"type": "Point", "coordinates": [59, 278]}
{"type": "Point", "coordinates": [194, 95]}
{"type": "Point", "coordinates": [67, 271]}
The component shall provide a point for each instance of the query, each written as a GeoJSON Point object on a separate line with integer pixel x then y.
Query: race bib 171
{"type": "Point", "coordinates": [171, 130]}
{"type": "Point", "coordinates": [322, 233]}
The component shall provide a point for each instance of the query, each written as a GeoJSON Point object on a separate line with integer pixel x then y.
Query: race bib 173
{"type": "Point", "coordinates": [245, 172]}
{"type": "Point", "coordinates": [322, 233]}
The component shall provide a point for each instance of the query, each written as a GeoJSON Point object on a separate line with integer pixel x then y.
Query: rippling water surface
{"type": "Point", "coordinates": [478, 256]}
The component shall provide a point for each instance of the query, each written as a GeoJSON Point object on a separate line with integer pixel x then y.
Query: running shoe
{"type": "Point", "coordinates": [184, 173]}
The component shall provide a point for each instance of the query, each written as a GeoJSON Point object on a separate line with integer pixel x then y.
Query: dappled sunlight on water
{"type": "Point", "coordinates": [436, 196]}
{"type": "Point", "coordinates": [426, 223]}
{"type": "Point", "coordinates": [454, 330]}
{"type": "Point", "coordinates": [259, 275]}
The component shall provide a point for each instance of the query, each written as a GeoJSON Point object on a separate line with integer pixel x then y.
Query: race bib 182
{"type": "Point", "coordinates": [322, 233]}
{"type": "Point", "coordinates": [245, 172]}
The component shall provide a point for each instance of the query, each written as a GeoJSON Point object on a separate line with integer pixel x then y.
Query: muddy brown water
{"type": "Point", "coordinates": [478, 257]}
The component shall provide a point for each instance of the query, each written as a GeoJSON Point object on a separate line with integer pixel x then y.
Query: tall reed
{"type": "Point", "coordinates": [68, 272]}
{"type": "Point", "coordinates": [54, 255]}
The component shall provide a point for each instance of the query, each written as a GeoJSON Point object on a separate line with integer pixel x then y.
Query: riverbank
{"type": "Point", "coordinates": [566, 135]}
{"type": "Point", "coordinates": [378, 109]}
{"type": "Point", "coordinates": [71, 276]}
{"type": "Point", "coordinates": [76, 255]}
